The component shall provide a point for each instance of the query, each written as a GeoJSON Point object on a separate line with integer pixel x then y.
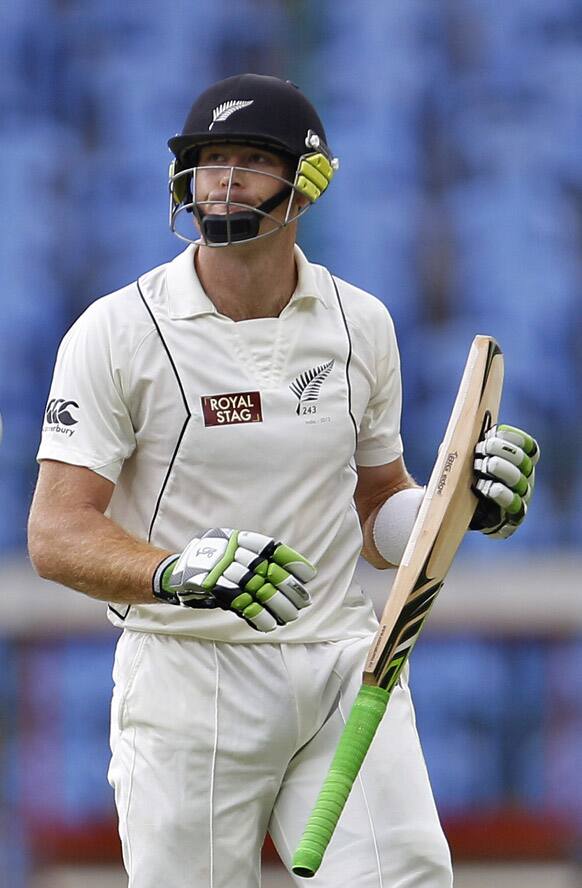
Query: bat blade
{"type": "Point", "coordinates": [444, 516]}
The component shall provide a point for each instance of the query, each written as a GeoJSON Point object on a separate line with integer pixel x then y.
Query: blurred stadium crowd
{"type": "Point", "coordinates": [459, 200]}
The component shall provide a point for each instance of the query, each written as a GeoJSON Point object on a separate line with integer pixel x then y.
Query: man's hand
{"type": "Point", "coordinates": [504, 479]}
{"type": "Point", "coordinates": [247, 573]}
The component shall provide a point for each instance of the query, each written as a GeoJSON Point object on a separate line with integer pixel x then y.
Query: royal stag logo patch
{"type": "Point", "coordinates": [232, 408]}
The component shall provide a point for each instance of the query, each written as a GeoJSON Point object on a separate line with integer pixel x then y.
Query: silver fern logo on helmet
{"type": "Point", "coordinates": [224, 111]}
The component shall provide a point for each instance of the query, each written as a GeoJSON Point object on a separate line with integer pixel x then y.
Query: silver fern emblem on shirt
{"type": "Point", "coordinates": [307, 386]}
{"type": "Point", "coordinates": [224, 111]}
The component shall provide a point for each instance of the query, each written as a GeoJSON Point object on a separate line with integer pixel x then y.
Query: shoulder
{"type": "Point", "coordinates": [362, 312]}
{"type": "Point", "coordinates": [359, 304]}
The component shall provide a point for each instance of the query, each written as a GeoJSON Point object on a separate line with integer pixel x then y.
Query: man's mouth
{"type": "Point", "coordinates": [223, 208]}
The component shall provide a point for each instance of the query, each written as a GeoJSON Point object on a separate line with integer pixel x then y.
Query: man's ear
{"type": "Point", "coordinates": [301, 201]}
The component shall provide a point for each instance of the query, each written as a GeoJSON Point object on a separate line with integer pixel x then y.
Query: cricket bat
{"type": "Point", "coordinates": [443, 518]}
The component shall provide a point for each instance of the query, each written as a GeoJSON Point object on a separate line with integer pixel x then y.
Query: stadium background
{"type": "Point", "coordinates": [459, 202]}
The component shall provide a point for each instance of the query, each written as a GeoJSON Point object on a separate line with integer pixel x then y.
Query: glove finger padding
{"type": "Point", "coordinates": [509, 453]}
{"type": "Point", "coordinates": [504, 479]}
{"type": "Point", "coordinates": [251, 571]}
{"type": "Point", "coordinates": [263, 581]}
{"type": "Point", "coordinates": [495, 467]}
{"type": "Point", "coordinates": [289, 585]}
{"type": "Point", "coordinates": [245, 572]}
{"type": "Point", "coordinates": [283, 555]}
{"type": "Point", "coordinates": [518, 437]}
{"type": "Point", "coordinates": [230, 597]}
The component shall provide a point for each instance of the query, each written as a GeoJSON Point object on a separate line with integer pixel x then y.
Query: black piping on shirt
{"type": "Point", "coordinates": [186, 407]}
{"type": "Point", "coordinates": [180, 437]}
{"type": "Point", "coordinates": [349, 358]}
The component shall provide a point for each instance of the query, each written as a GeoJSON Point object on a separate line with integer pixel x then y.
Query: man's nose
{"type": "Point", "coordinates": [231, 173]}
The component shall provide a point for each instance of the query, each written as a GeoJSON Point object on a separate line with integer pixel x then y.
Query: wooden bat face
{"type": "Point", "coordinates": [443, 518]}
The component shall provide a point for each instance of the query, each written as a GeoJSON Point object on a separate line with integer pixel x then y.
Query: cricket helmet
{"type": "Point", "coordinates": [249, 109]}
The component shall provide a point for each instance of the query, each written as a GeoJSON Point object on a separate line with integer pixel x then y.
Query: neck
{"type": "Point", "coordinates": [246, 281]}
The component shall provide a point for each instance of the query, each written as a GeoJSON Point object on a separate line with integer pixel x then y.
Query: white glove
{"type": "Point", "coordinates": [504, 466]}
{"type": "Point", "coordinates": [247, 573]}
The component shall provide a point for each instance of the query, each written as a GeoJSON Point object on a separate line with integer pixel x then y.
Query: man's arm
{"type": "Point", "coordinates": [376, 484]}
{"type": "Point", "coordinates": [70, 541]}
{"type": "Point", "coordinates": [388, 499]}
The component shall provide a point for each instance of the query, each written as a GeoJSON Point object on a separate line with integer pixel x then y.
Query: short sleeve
{"type": "Point", "coordinates": [379, 440]}
{"type": "Point", "coordinates": [86, 421]}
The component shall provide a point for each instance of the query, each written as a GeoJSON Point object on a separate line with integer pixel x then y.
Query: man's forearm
{"type": "Point", "coordinates": [88, 552]}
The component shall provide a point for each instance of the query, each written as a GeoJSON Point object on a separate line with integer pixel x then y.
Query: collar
{"type": "Point", "coordinates": [308, 285]}
{"type": "Point", "coordinates": [187, 299]}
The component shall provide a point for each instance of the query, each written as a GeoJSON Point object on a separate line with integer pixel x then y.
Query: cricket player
{"type": "Point", "coordinates": [221, 442]}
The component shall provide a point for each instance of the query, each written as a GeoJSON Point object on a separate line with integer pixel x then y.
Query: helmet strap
{"type": "Point", "coordinates": [235, 227]}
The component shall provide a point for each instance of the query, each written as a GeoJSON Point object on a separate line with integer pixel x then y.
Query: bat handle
{"type": "Point", "coordinates": [365, 716]}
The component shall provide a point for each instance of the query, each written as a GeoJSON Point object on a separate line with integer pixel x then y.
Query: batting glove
{"type": "Point", "coordinates": [247, 573]}
{"type": "Point", "coordinates": [504, 466]}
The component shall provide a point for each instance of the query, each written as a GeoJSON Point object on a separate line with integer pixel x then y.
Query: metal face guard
{"type": "Point", "coordinates": [240, 222]}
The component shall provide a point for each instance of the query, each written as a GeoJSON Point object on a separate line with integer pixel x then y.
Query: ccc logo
{"type": "Point", "coordinates": [58, 412]}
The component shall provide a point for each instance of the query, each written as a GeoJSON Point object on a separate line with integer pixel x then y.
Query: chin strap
{"type": "Point", "coordinates": [235, 227]}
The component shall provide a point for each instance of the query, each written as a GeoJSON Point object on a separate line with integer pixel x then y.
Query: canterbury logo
{"type": "Point", "coordinates": [224, 111]}
{"type": "Point", "coordinates": [58, 412]}
{"type": "Point", "coordinates": [307, 386]}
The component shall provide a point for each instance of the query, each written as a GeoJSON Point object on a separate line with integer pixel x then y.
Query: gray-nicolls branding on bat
{"type": "Point", "coordinates": [450, 461]}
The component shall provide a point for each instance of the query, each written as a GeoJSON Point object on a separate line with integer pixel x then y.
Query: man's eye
{"type": "Point", "coordinates": [214, 158]}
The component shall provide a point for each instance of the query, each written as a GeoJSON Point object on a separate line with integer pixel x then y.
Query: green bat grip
{"type": "Point", "coordinates": [367, 711]}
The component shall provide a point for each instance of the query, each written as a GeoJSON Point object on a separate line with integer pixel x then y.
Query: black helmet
{"type": "Point", "coordinates": [251, 109]}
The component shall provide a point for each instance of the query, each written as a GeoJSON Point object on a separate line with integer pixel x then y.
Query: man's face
{"type": "Point", "coordinates": [246, 186]}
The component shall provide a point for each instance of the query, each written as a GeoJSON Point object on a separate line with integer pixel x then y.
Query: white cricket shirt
{"type": "Point", "coordinates": [202, 422]}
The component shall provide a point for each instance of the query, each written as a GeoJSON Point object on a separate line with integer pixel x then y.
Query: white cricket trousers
{"type": "Point", "coordinates": [215, 744]}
